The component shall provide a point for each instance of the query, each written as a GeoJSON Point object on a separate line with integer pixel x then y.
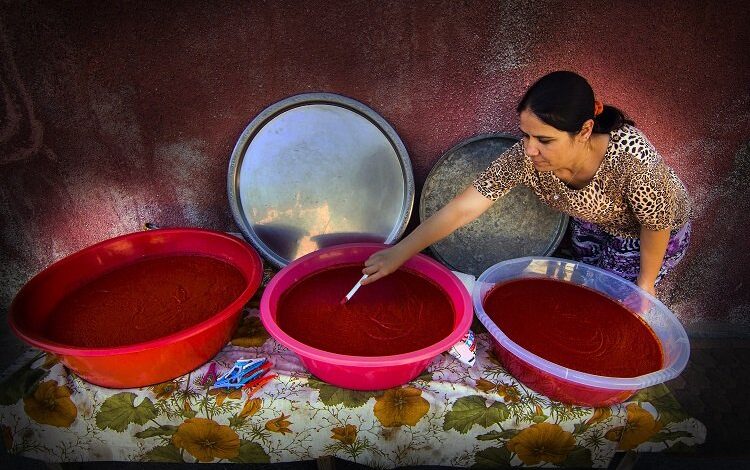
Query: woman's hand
{"type": "Point", "coordinates": [383, 263]}
{"type": "Point", "coordinates": [636, 302]}
{"type": "Point", "coordinates": [461, 210]}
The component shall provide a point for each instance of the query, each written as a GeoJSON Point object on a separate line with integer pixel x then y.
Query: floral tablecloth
{"type": "Point", "coordinates": [450, 415]}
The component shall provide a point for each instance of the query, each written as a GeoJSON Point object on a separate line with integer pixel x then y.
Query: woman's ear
{"type": "Point", "coordinates": [586, 129]}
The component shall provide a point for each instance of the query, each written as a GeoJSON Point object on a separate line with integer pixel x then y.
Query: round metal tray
{"type": "Point", "coordinates": [517, 225]}
{"type": "Point", "coordinates": [316, 170]}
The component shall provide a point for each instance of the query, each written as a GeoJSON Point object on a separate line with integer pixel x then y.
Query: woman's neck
{"type": "Point", "coordinates": [584, 168]}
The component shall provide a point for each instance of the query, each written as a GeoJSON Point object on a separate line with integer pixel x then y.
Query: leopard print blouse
{"type": "Point", "coordinates": [632, 188]}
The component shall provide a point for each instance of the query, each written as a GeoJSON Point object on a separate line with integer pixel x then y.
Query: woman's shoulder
{"type": "Point", "coordinates": [631, 143]}
{"type": "Point", "coordinates": [516, 151]}
{"type": "Point", "coordinates": [512, 156]}
{"type": "Point", "coordinates": [510, 168]}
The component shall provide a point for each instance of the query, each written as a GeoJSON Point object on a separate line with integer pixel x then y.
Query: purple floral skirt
{"type": "Point", "coordinates": [622, 255]}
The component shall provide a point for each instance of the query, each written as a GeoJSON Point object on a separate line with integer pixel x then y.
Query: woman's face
{"type": "Point", "coordinates": [549, 149]}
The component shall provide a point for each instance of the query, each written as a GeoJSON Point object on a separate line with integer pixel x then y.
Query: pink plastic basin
{"type": "Point", "coordinates": [371, 372]}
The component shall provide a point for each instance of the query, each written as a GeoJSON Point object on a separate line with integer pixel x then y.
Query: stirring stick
{"type": "Point", "coordinates": [354, 289]}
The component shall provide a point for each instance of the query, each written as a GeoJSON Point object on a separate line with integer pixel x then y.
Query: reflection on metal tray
{"type": "Point", "coordinates": [316, 170]}
{"type": "Point", "coordinates": [517, 225]}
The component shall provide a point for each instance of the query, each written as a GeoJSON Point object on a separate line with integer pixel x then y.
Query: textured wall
{"type": "Point", "coordinates": [114, 115]}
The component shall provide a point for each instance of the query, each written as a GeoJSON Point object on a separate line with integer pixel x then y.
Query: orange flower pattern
{"type": "Point", "coordinates": [485, 385]}
{"type": "Point", "coordinates": [251, 407]}
{"type": "Point", "coordinates": [164, 390]}
{"type": "Point", "coordinates": [401, 406]}
{"type": "Point", "coordinates": [542, 442]}
{"type": "Point", "coordinates": [280, 424]}
{"type": "Point", "coordinates": [509, 393]}
{"type": "Point", "coordinates": [222, 394]}
{"type": "Point", "coordinates": [187, 411]}
{"type": "Point", "coordinates": [600, 414]}
{"type": "Point", "coordinates": [207, 440]}
{"type": "Point", "coordinates": [51, 404]}
{"type": "Point", "coordinates": [346, 434]}
{"type": "Point", "coordinates": [641, 426]}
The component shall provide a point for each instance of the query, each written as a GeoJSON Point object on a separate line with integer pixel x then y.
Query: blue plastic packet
{"type": "Point", "coordinates": [241, 373]}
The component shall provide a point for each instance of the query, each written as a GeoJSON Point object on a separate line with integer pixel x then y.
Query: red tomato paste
{"type": "Point", "coordinates": [574, 327]}
{"type": "Point", "coordinates": [400, 313]}
{"type": "Point", "coordinates": [145, 300]}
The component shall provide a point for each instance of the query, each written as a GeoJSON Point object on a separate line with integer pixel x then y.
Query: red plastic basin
{"type": "Point", "coordinates": [148, 362]}
{"type": "Point", "coordinates": [371, 372]}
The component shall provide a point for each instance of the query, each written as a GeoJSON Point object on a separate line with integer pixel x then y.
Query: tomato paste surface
{"type": "Point", "coordinates": [145, 300]}
{"type": "Point", "coordinates": [574, 327]}
{"type": "Point", "coordinates": [399, 313]}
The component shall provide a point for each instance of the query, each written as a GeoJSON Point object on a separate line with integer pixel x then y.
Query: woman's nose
{"type": "Point", "coordinates": [531, 150]}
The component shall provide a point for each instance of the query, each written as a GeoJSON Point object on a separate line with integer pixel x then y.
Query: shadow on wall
{"type": "Point", "coordinates": [722, 266]}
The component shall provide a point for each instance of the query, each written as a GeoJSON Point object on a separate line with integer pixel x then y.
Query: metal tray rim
{"type": "Point", "coordinates": [303, 99]}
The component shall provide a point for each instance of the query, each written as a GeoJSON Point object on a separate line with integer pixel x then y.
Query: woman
{"type": "Point", "coordinates": [630, 212]}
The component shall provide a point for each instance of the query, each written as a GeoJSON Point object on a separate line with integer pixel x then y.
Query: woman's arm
{"type": "Point", "coordinates": [653, 247]}
{"type": "Point", "coordinates": [461, 210]}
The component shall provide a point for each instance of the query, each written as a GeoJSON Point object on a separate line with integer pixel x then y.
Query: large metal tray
{"type": "Point", "coordinates": [517, 225]}
{"type": "Point", "coordinates": [316, 170]}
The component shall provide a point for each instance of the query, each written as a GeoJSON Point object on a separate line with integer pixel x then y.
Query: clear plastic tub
{"type": "Point", "coordinates": [568, 385]}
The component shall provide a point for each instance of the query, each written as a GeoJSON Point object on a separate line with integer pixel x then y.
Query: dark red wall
{"type": "Point", "coordinates": [115, 115]}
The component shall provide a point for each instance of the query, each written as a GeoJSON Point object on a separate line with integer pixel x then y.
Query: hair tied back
{"type": "Point", "coordinates": [598, 107]}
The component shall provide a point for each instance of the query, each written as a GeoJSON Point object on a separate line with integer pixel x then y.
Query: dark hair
{"type": "Point", "coordinates": [565, 100]}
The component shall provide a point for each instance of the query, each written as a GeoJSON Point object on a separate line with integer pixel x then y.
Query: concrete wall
{"type": "Point", "coordinates": [115, 115]}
